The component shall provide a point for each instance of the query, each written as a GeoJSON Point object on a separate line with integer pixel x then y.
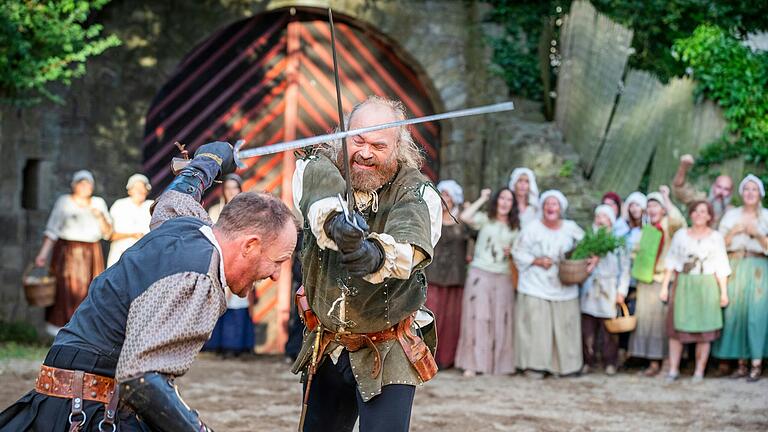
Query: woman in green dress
{"type": "Point", "coordinates": [745, 331]}
{"type": "Point", "coordinates": [699, 262]}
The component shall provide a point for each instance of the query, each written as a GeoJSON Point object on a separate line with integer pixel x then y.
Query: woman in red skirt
{"type": "Point", "coordinates": [446, 274]}
{"type": "Point", "coordinates": [76, 226]}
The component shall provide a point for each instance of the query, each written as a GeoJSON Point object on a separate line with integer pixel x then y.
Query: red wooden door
{"type": "Point", "coordinates": [269, 79]}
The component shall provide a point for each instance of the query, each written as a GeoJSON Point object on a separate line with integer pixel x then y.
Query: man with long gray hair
{"type": "Point", "coordinates": [370, 340]}
{"type": "Point", "coordinates": [720, 193]}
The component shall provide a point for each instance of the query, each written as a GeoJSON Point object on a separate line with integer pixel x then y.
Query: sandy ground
{"type": "Point", "coordinates": [262, 395]}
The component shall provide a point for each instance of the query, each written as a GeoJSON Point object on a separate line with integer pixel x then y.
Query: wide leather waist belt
{"type": "Point", "coordinates": [61, 383]}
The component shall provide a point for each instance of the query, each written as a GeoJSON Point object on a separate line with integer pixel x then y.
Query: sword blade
{"type": "Point", "coordinates": [344, 150]}
{"type": "Point", "coordinates": [320, 139]}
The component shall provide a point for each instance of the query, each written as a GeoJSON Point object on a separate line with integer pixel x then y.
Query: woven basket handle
{"type": "Point", "coordinates": [624, 309]}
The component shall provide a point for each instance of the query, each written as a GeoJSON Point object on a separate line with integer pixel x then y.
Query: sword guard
{"type": "Point", "coordinates": [347, 215]}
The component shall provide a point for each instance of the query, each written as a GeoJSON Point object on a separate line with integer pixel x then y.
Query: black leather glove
{"type": "Point", "coordinates": [347, 237]}
{"type": "Point", "coordinates": [213, 160]}
{"type": "Point", "coordinates": [219, 152]}
{"type": "Point", "coordinates": [154, 398]}
{"type": "Point", "coordinates": [366, 259]}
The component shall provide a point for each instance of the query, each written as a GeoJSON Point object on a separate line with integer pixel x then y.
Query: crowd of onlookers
{"type": "Point", "coordinates": [494, 283]}
{"type": "Point", "coordinates": [501, 307]}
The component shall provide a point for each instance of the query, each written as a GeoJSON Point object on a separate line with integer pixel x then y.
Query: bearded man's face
{"type": "Point", "coordinates": [372, 156]}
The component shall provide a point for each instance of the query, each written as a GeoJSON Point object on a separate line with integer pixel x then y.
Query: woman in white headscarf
{"type": "Point", "coordinates": [522, 183]}
{"type": "Point", "coordinates": [130, 217]}
{"type": "Point", "coordinates": [547, 316]}
{"type": "Point", "coordinates": [605, 288]}
{"type": "Point", "coordinates": [745, 331]}
{"type": "Point", "coordinates": [77, 224]}
{"type": "Point", "coordinates": [447, 273]}
{"type": "Point", "coordinates": [633, 211]}
{"type": "Point", "coordinates": [649, 340]}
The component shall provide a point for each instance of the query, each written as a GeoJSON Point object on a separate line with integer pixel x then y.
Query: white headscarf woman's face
{"type": "Point", "coordinates": [635, 211]}
{"type": "Point", "coordinates": [522, 185]}
{"type": "Point", "coordinates": [750, 194]}
{"type": "Point", "coordinates": [655, 211]}
{"type": "Point", "coordinates": [551, 211]}
{"type": "Point", "coordinates": [82, 189]}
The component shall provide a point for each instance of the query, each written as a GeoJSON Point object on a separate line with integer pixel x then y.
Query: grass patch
{"type": "Point", "coordinates": [21, 351]}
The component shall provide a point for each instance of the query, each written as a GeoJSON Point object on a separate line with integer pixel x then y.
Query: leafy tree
{"type": "Point", "coordinates": [737, 79]}
{"type": "Point", "coordinates": [46, 41]}
{"type": "Point", "coordinates": [656, 25]}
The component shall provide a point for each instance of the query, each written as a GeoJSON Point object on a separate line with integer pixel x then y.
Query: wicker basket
{"type": "Point", "coordinates": [621, 324]}
{"type": "Point", "coordinates": [39, 290]}
{"type": "Point", "coordinates": [573, 272]}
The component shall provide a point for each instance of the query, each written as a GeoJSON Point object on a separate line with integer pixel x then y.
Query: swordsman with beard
{"type": "Point", "coordinates": [147, 316]}
{"type": "Point", "coordinates": [369, 338]}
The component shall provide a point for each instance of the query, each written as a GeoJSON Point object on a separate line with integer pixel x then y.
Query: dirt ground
{"type": "Point", "coordinates": [261, 394]}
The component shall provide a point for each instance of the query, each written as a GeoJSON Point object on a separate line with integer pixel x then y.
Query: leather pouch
{"type": "Point", "coordinates": [302, 305]}
{"type": "Point", "coordinates": [417, 352]}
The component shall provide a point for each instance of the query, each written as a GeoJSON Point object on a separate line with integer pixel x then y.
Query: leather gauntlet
{"type": "Point", "coordinates": [155, 399]}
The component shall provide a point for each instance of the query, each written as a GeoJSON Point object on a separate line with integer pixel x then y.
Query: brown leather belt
{"type": "Point", "coordinates": [745, 254]}
{"type": "Point", "coordinates": [61, 383]}
{"type": "Point", "coordinates": [355, 341]}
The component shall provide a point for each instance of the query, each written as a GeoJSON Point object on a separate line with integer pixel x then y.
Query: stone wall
{"type": "Point", "coordinates": [100, 125]}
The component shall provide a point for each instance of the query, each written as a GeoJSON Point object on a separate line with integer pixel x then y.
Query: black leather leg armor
{"type": "Point", "coordinates": [155, 399]}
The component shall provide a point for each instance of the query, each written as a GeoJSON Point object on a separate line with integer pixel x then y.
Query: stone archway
{"type": "Point", "coordinates": [268, 79]}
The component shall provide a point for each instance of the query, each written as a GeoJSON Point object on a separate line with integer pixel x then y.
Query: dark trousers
{"type": "Point", "coordinates": [335, 402]}
{"type": "Point", "coordinates": [593, 331]}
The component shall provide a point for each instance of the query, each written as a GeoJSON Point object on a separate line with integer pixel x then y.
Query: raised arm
{"type": "Point", "coordinates": [468, 214]}
{"type": "Point", "coordinates": [183, 196]}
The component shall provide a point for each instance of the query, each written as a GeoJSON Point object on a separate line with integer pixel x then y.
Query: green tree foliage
{"type": "Point", "coordinates": [737, 79]}
{"type": "Point", "coordinates": [46, 41]}
{"type": "Point", "coordinates": [516, 52]}
{"type": "Point", "coordinates": [656, 25]}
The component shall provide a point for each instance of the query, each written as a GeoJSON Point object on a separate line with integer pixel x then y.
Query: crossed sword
{"type": "Point", "coordinates": [239, 154]}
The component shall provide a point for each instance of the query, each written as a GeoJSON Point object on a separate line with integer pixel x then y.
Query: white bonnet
{"type": "Point", "coordinates": [452, 188]}
{"type": "Point", "coordinates": [558, 195]}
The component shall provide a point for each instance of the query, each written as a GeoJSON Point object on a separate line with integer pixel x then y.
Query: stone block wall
{"type": "Point", "coordinates": [100, 126]}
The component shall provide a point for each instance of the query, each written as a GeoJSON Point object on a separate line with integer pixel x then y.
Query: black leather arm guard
{"type": "Point", "coordinates": [155, 399]}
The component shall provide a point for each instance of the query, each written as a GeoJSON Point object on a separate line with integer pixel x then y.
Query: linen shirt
{"type": "Point", "coordinates": [706, 255]}
{"type": "Point", "coordinates": [155, 308]}
{"type": "Point", "coordinates": [742, 241]}
{"type": "Point", "coordinates": [536, 240]}
{"type": "Point", "coordinates": [492, 238]}
{"type": "Point", "coordinates": [609, 278]}
{"type": "Point", "coordinates": [127, 218]}
{"type": "Point", "coordinates": [69, 221]}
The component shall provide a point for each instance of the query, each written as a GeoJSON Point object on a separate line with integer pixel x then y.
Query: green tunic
{"type": "Point", "coordinates": [403, 214]}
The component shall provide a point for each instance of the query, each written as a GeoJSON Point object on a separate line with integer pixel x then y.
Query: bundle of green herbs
{"type": "Point", "coordinates": [598, 242]}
